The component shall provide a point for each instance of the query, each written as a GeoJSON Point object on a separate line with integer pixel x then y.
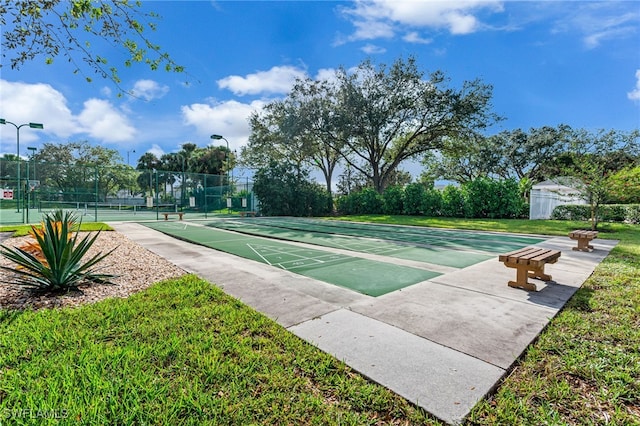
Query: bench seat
{"type": "Point", "coordinates": [529, 262]}
{"type": "Point", "coordinates": [583, 238]}
{"type": "Point", "coordinates": [166, 215]}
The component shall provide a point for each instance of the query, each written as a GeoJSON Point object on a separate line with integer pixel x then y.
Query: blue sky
{"type": "Point", "coordinates": [550, 62]}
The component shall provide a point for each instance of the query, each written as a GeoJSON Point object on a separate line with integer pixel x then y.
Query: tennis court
{"type": "Point", "coordinates": [269, 241]}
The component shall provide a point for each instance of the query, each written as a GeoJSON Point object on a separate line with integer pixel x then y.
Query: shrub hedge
{"type": "Point", "coordinates": [481, 198]}
{"type": "Point", "coordinates": [628, 213]}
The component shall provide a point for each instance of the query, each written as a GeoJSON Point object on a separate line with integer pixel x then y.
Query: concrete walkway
{"type": "Point", "coordinates": [442, 344]}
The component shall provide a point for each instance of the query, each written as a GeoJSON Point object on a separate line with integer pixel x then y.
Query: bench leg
{"type": "Point", "coordinates": [583, 245]}
{"type": "Point", "coordinates": [522, 273]}
{"type": "Point", "coordinates": [539, 274]}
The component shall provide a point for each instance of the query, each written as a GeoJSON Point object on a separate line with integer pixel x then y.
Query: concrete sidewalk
{"type": "Point", "coordinates": [443, 344]}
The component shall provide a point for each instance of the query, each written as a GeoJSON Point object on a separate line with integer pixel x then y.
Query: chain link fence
{"type": "Point", "coordinates": [116, 193]}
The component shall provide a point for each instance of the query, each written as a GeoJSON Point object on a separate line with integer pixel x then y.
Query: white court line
{"type": "Point", "coordinates": [300, 258]}
{"type": "Point", "coordinates": [261, 256]}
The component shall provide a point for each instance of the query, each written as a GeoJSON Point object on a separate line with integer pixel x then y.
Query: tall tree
{"type": "Point", "coordinates": [513, 154]}
{"type": "Point", "coordinates": [464, 160]}
{"type": "Point", "coordinates": [50, 28]}
{"type": "Point", "coordinates": [147, 164]}
{"type": "Point", "coordinates": [388, 115]}
{"type": "Point", "coordinates": [275, 137]}
{"type": "Point", "coordinates": [297, 129]}
{"type": "Point", "coordinates": [76, 170]}
{"type": "Point", "coordinates": [312, 107]}
{"type": "Point", "coordinates": [595, 156]}
{"type": "Point", "coordinates": [525, 155]}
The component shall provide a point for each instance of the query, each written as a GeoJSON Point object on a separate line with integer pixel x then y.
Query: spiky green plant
{"type": "Point", "coordinates": [59, 266]}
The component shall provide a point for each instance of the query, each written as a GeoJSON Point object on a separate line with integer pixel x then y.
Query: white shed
{"type": "Point", "coordinates": [545, 196]}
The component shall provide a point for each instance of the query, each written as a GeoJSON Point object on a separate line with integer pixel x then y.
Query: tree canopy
{"type": "Point", "coordinates": [77, 170]}
{"type": "Point", "coordinates": [371, 118]}
{"type": "Point", "coordinates": [50, 28]}
{"type": "Point", "coordinates": [594, 158]}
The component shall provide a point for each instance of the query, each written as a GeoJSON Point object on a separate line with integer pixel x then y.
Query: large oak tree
{"type": "Point", "coordinates": [375, 117]}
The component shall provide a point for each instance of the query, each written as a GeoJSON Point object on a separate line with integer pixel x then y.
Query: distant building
{"type": "Point", "coordinates": [546, 196]}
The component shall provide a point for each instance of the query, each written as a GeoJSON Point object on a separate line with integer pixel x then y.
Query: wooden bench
{"type": "Point", "coordinates": [529, 263]}
{"type": "Point", "coordinates": [166, 215]}
{"type": "Point", "coordinates": [243, 214]}
{"type": "Point", "coordinates": [583, 238]}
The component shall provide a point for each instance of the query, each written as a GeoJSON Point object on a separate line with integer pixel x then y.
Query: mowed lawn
{"type": "Point", "coordinates": [183, 352]}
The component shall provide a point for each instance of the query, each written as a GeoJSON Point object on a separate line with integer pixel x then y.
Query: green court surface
{"type": "Point", "coordinates": [362, 275]}
{"type": "Point", "coordinates": [457, 249]}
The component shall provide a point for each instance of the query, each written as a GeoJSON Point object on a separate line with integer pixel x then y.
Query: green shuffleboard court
{"type": "Point", "coordinates": [365, 276]}
{"type": "Point", "coordinates": [457, 249]}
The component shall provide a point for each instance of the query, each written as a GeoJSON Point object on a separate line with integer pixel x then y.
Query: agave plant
{"type": "Point", "coordinates": [32, 246]}
{"type": "Point", "coordinates": [58, 265]}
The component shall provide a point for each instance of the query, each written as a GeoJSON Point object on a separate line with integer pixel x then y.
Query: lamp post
{"type": "Point", "coordinates": [182, 181]}
{"type": "Point", "coordinates": [134, 151]}
{"type": "Point", "coordinates": [33, 126]}
{"type": "Point", "coordinates": [33, 150]}
{"type": "Point", "coordinates": [218, 137]}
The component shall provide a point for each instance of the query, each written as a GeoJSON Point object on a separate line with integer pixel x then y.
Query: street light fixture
{"type": "Point", "coordinates": [33, 126]}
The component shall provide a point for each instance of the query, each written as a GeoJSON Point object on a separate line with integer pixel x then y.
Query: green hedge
{"type": "Point", "coordinates": [481, 198]}
{"type": "Point", "coordinates": [628, 213]}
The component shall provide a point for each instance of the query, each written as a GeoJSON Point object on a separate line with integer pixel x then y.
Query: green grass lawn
{"type": "Point", "coordinates": [183, 352]}
{"type": "Point", "coordinates": [21, 230]}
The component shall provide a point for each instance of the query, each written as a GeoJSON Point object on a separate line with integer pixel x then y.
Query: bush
{"type": "Point", "coordinates": [414, 199]}
{"type": "Point", "coordinates": [613, 212]}
{"type": "Point", "coordinates": [365, 201]}
{"type": "Point", "coordinates": [432, 203]}
{"type": "Point", "coordinates": [54, 262]}
{"type": "Point", "coordinates": [368, 201]}
{"type": "Point", "coordinates": [452, 202]}
{"type": "Point", "coordinates": [283, 190]}
{"type": "Point", "coordinates": [490, 198]}
{"type": "Point", "coordinates": [633, 214]}
{"type": "Point", "coordinates": [315, 200]}
{"type": "Point", "coordinates": [628, 213]}
{"type": "Point", "coordinates": [393, 200]}
{"type": "Point", "coordinates": [572, 212]}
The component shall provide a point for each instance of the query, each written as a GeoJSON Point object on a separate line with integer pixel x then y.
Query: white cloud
{"type": "Point", "coordinates": [371, 49]}
{"type": "Point", "coordinates": [370, 29]}
{"type": "Point", "coordinates": [101, 120]}
{"type": "Point", "coordinates": [229, 119]}
{"type": "Point", "coordinates": [414, 37]}
{"type": "Point", "coordinates": [149, 90]}
{"type": "Point", "coordinates": [156, 150]}
{"type": "Point", "coordinates": [382, 18]}
{"type": "Point", "coordinates": [38, 103]}
{"type": "Point", "coordinates": [599, 22]}
{"type": "Point", "coordinates": [41, 103]}
{"type": "Point", "coordinates": [634, 95]}
{"type": "Point", "coordinates": [328, 74]}
{"type": "Point", "coordinates": [106, 92]}
{"type": "Point", "coordinates": [278, 80]}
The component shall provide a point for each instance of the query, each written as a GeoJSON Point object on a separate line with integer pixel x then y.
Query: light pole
{"type": "Point", "coordinates": [226, 155]}
{"type": "Point", "coordinates": [182, 181]}
{"type": "Point", "coordinates": [134, 151]}
{"type": "Point", "coordinates": [33, 126]}
{"type": "Point", "coordinates": [33, 150]}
